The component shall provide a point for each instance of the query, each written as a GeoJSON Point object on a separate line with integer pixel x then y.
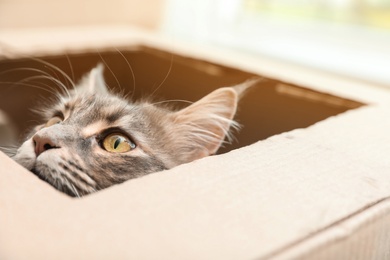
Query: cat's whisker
{"type": "Point", "coordinates": [8, 147]}
{"type": "Point", "coordinates": [29, 85]}
{"type": "Point", "coordinates": [75, 191]}
{"type": "Point", "coordinates": [71, 187]}
{"type": "Point", "coordinates": [165, 78]}
{"type": "Point", "coordinates": [108, 67]}
{"type": "Point", "coordinates": [73, 85]}
{"type": "Point", "coordinates": [8, 48]}
{"type": "Point", "coordinates": [24, 69]}
{"type": "Point", "coordinates": [57, 183]}
{"type": "Point", "coordinates": [70, 66]}
{"type": "Point", "coordinates": [87, 180]}
{"type": "Point", "coordinates": [54, 80]}
{"type": "Point", "coordinates": [131, 69]}
{"type": "Point", "coordinates": [55, 76]}
{"type": "Point", "coordinates": [9, 150]}
{"type": "Point", "coordinates": [75, 174]}
{"type": "Point", "coordinates": [49, 87]}
{"type": "Point", "coordinates": [34, 70]}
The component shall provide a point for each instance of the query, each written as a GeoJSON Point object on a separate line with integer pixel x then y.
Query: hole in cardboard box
{"type": "Point", "coordinates": [271, 108]}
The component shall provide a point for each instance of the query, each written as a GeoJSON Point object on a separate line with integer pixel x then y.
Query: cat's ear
{"type": "Point", "coordinates": [93, 82]}
{"type": "Point", "coordinates": [201, 128]}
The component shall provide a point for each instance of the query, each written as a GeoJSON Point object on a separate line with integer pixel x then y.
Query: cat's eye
{"type": "Point", "coordinates": [53, 121]}
{"type": "Point", "coordinates": [117, 143]}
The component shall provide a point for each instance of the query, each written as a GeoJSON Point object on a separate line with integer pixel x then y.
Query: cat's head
{"type": "Point", "coordinates": [92, 139]}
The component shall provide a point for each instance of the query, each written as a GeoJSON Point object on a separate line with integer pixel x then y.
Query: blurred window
{"type": "Point", "coordinates": [346, 37]}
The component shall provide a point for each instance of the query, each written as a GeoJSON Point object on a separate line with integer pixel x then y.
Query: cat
{"type": "Point", "coordinates": [92, 138]}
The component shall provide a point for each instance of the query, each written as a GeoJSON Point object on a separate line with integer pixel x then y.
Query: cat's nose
{"type": "Point", "coordinates": [43, 143]}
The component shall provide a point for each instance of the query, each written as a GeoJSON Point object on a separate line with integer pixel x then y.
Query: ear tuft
{"type": "Point", "coordinates": [201, 128]}
{"type": "Point", "coordinates": [93, 82]}
{"type": "Point", "coordinates": [244, 87]}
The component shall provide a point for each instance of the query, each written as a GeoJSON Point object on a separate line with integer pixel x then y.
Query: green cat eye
{"type": "Point", "coordinates": [117, 143]}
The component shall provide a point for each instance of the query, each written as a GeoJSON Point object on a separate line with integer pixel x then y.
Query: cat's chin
{"type": "Point", "coordinates": [63, 189]}
{"type": "Point", "coordinates": [52, 167]}
{"type": "Point", "coordinates": [39, 175]}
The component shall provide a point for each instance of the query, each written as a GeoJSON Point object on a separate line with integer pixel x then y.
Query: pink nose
{"type": "Point", "coordinates": [42, 144]}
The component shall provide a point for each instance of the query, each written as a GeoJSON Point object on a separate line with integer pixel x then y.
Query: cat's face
{"type": "Point", "coordinates": [92, 139]}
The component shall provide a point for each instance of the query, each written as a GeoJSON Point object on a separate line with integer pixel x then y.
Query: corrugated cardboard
{"type": "Point", "coordinates": [320, 191]}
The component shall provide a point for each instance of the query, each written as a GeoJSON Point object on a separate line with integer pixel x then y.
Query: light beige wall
{"type": "Point", "coordinates": [51, 13]}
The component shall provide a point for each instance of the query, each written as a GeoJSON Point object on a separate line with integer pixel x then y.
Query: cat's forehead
{"type": "Point", "coordinates": [85, 110]}
{"type": "Point", "coordinates": [93, 114]}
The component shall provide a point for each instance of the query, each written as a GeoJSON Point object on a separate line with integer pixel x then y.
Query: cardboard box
{"type": "Point", "coordinates": [307, 178]}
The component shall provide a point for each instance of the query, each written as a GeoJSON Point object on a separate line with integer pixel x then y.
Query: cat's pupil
{"type": "Point", "coordinates": [117, 142]}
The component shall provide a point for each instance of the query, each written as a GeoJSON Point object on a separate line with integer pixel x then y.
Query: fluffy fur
{"type": "Point", "coordinates": [69, 154]}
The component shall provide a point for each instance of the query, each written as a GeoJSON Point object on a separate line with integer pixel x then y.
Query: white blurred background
{"type": "Point", "coordinates": [350, 38]}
